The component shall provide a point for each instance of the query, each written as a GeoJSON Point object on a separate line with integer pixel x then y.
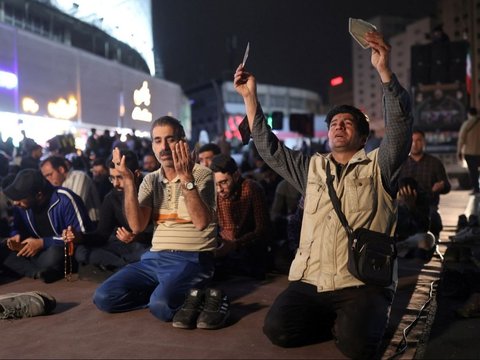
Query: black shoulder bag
{"type": "Point", "coordinates": [371, 254]}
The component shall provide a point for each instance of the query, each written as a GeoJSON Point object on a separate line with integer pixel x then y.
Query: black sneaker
{"type": "Point", "coordinates": [215, 311]}
{"type": "Point", "coordinates": [473, 220]}
{"type": "Point", "coordinates": [27, 304]}
{"type": "Point", "coordinates": [186, 317]}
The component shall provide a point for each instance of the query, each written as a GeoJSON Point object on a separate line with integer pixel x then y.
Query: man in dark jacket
{"type": "Point", "coordinates": [41, 214]}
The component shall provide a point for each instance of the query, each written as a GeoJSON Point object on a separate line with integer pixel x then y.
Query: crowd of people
{"type": "Point", "coordinates": [160, 226]}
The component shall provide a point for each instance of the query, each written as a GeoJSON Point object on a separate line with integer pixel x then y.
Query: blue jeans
{"type": "Point", "coordinates": [159, 281]}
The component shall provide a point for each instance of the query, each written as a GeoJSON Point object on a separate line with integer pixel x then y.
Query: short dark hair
{"type": "Point", "coordinates": [99, 161]}
{"type": "Point", "coordinates": [131, 160]}
{"type": "Point", "coordinates": [418, 131]}
{"type": "Point", "coordinates": [210, 147]}
{"type": "Point", "coordinates": [56, 161]}
{"type": "Point", "coordinates": [472, 111]}
{"type": "Point", "coordinates": [224, 164]}
{"type": "Point", "coordinates": [178, 131]}
{"type": "Point", "coordinates": [359, 117]}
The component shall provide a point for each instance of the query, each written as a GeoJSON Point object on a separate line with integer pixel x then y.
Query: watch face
{"type": "Point", "coordinates": [189, 185]}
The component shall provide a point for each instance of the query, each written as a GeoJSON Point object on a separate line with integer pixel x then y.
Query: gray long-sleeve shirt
{"type": "Point", "coordinates": [293, 165]}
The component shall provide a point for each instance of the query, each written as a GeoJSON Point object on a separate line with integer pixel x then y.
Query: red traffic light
{"type": "Point", "coordinates": [336, 81]}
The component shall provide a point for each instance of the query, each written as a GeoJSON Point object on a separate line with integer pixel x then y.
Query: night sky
{"type": "Point", "coordinates": [300, 43]}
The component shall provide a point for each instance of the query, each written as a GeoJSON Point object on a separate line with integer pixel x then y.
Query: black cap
{"type": "Point", "coordinates": [28, 182]}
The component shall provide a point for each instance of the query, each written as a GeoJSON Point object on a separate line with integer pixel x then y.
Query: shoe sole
{"type": "Point", "coordinates": [205, 326]}
{"type": "Point", "coordinates": [182, 326]}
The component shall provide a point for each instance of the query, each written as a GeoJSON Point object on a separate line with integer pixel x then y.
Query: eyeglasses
{"type": "Point", "coordinates": [115, 178]}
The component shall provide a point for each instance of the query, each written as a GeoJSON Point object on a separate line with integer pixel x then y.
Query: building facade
{"type": "Point", "coordinates": [217, 109]}
{"type": "Point", "coordinates": [49, 87]}
{"type": "Point", "coordinates": [367, 94]}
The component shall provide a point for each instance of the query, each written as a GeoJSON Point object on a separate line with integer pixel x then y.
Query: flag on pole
{"type": "Point", "coordinates": [468, 78]}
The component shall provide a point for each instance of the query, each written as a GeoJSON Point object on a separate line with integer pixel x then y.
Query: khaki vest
{"type": "Point", "coordinates": [321, 258]}
{"type": "Point", "coordinates": [469, 137]}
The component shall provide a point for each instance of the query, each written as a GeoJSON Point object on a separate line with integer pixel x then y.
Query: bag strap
{"type": "Point", "coordinates": [336, 201]}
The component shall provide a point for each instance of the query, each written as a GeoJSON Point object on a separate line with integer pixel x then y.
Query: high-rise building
{"type": "Point", "coordinates": [402, 34]}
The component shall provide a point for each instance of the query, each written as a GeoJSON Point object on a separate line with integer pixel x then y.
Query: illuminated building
{"type": "Point", "coordinates": [61, 74]}
{"type": "Point", "coordinates": [218, 109]}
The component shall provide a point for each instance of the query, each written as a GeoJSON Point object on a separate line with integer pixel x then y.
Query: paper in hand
{"type": "Point", "coordinates": [245, 56]}
{"type": "Point", "coordinates": [358, 28]}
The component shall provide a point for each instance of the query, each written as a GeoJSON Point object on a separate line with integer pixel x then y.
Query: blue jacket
{"type": "Point", "coordinates": [65, 208]}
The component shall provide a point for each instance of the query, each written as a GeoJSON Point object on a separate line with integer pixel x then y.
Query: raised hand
{"type": "Point", "coordinates": [182, 160]}
{"type": "Point", "coordinates": [245, 83]}
{"type": "Point", "coordinates": [120, 166]}
{"type": "Point", "coordinates": [407, 196]}
{"type": "Point", "coordinates": [380, 54]}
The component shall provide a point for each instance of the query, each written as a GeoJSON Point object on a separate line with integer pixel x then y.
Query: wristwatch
{"type": "Point", "coordinates": [189, 185]}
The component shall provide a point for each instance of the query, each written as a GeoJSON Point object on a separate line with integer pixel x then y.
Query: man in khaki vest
{"type": "Point", "coordinates": [323, 296]}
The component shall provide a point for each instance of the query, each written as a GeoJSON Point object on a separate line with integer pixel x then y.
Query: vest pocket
{"type": "Point", "coordinates": [313, 196]}
{"type": "Point", "coordinates": [360, 194]}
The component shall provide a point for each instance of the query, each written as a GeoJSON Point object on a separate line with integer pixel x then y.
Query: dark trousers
{"type": "Point", "coordinates": [436, 225]}
{"type": "Point", "coordinates": [250, 260]}
{"type": "Point", "coordinates": [113, 255]}
{"type": "Point", "coordinates": [356, 317]}
{"type": "Point", "coordinates": [50, 260]}
{"type": "Point", "coordinates": [473, 162]}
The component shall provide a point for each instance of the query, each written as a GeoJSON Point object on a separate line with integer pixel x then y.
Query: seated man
{"type": "Point", "coordinates": [32, 159]}
{"type": "Point", "coordinates": [41, 214]}
{"type": "Point", "coordinates": [179, 200]}
{"type": "Point", "coordinates": [113, 244]}
{"type": "Point", "coordinates": [100, 175]}
{"type": "Point", "coordinates": [413, 237]}
{"type": "Point", "coordinates": [282, 214]}
{"type": "Point", "coordinates": [243, 221]}
{"type": "Point", "coordinates": [57, 171]}
{"type": "Point", "coordinates": [149, 163]}
{"type": "Point", "coordinates": [431, 176]}
{"type": "Point", "coordinates": [207, 152]}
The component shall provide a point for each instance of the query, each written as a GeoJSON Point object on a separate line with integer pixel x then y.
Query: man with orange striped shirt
{"type": "Point", "coordinates": [179, 198]}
